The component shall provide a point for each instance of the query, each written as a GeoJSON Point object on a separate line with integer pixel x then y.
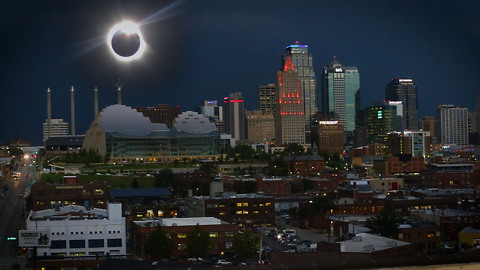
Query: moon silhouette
{"type": "Point", "coordinates": [125, 41]}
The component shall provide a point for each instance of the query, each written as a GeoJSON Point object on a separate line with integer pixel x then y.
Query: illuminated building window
{"type": "Point", "coordinates": [222, 213]}
{"type": "Point", "coordinates": [245, 204]}
{"type": "Point", "coordinates": [268, 204]}
{"type": "Point", "coordinates": [228, 234]}
{"type": "Point", "coordinates": [213, 234]}
{"type": "Point", "coordinates": [239, 204]}
{"type": "Point", "coordinates": [261, 204]}
{"type": "Point", "coordinates": [221, 205]}
{"type": "Point", "coordinates": [160, 213]}
{"type": "Point", "coordinates": [245, 212]}
{"type": "Point", "coordinates": [215, 205]}
{"type": "Point", "coordinates": [181, 235]}
{"type": "Point", "coordinates": [239, 212]}
{"type": "Point", "coordinates": [255, 212]}
{"type": "Point", "coordinates": [99, 191]}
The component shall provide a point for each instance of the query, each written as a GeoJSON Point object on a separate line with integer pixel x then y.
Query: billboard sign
{"type": "Point", "coordinates": [33, 238]}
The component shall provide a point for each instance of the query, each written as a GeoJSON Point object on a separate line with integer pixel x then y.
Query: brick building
{"type": "Point", "coordinates": [244, 210]}
{"type": "Point", "coordinates": [305, 165]}
{"type": "Point", "coordinates": [220, 232]}
{"type": "Point", "coordinates": [46, 196]}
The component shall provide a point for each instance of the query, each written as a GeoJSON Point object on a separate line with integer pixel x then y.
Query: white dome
{"type": "Point", "coordinates": [125, 120]}
{"type": "Point", "coordinates": [194, 123]}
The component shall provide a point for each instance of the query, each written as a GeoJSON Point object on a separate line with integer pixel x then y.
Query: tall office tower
{"type": "Point", "coordinates": [161, 113]}
{"type": "Point", "coordinates": [341, 95]}
{"type": "Point", "coordinates": [405, 90]}
{"type": "Point", "coordinates": [234, 116]}
{"type": "Point", "coordinates": [268, 99]}
{"type": "Point", "coordinates": [477, 115]}
{"type": "Point", "coordinates": [302, 62]}
{"type": "Point", "coordinates": [452, 125]}
{"type": "Point", "coordinates": [57, 128]}
{"type": "Point", "coordinates": [328, 136]}
{"type": "Point", "coordinates": [289, 114]}
{"type": "Point", "coordinates": [210, 109]}
{"type": "Point", "coordinates": [380, 121]}
{"type": "Point", "coordinates": [260, 127]}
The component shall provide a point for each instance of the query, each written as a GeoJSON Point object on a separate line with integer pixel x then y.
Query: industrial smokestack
{"type": "Point", "coordinates": [72, 109]}
{"type": "Point", "coordinates": [119, 85]}
{"type": "Point", "coordinates": [49, 113]}
{"type": "Point", "coordinates": [95, 101]}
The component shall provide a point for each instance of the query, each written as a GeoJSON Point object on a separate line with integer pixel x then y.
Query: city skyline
{"type": "Point", "coordinates": [204, 51]}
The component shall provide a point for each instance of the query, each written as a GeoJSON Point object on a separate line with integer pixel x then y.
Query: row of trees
{"type": "Point", "coordinates": [159, 244]}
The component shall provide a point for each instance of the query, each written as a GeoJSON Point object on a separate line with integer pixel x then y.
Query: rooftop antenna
{"type": "Point", "coordinates": [119, 85]}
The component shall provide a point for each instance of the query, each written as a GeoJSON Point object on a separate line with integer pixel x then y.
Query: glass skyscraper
{"type": "Point", "coordinates": [303, 65]}
{"type": "Point", "coordinates": [341, 95]}
{"type": "Point", "coordinates": [405, 90]}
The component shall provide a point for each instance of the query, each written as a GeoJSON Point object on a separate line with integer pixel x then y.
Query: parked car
{"type": "Point", "coordinates": [224, 262]}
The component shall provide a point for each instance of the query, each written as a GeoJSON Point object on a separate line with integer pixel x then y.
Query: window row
{"type": "Point", "coordinates": [92, 243]}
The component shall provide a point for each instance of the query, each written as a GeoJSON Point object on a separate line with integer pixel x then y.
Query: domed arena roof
{"type": "Point", "coordinates": [194, 123]}
{"type": "Point", "coordinates": [125, 120]}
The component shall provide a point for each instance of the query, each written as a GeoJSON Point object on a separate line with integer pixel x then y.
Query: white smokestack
{"type": "Point", "coordinates": [49, 113]}
{"type": "Point", "coordinates": [119, 85]}
{"type": "Point", "coordinates": [95, 101]}
{"type": "Point", "coordinates": [72, 109]}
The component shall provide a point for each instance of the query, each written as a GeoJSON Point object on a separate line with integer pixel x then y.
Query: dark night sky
{"type": "Point", "coordinates": [199, 50]}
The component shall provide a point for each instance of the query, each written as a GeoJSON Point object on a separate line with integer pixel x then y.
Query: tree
{"type": "Point", "coordinates": [164, 178]}
{"type": "Point", "coordinates": [134, 183]}
{"type": "Point", "coordinates": [293, 149]}
{"type": "Point", "coordinates": [386, 224]}
{"type": "Point", "coordinates": [198, 241]}
{"type": "Point", "coordinates": [158, 244]}
{"type": "Point", "coordinates": [246, 244]}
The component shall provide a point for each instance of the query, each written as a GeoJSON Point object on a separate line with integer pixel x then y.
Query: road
{"type": "Point", "coordinates": [12, 210]}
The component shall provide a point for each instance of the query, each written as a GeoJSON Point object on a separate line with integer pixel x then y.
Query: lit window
{"type": "Point", "coordinates": [245, 212]}
{"type": "Point", "coordinates": [222, 213]}
{"type": "Point", "coordinates": [255, 212]}
{"type": "Point", "coordinates": [160, 213]}
{"type": "Point", "coordinates": [268, 204]}
{"type": "Point", "coordinates": [245, 204]}
{"type": "Point", "coordinates": [239, 204]}
{"type": "Point", "coordinates": [239, 212]}
{"type": "Point", "coordinates": [213, 234]}
{"type": "Point", "coordinates": [182, 235]}
{"type": "Point", "coordinates": [228, 234]}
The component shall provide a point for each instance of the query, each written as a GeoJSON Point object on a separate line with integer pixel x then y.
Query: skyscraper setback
{"type": "Point", "coordinates": [405, 90]}
{"type": "Point", "coordinates": [341, 94]}
{"type": "Point", "coordinates": [302, 62]}
{"type": "Point", "coordinates": [290, 115]}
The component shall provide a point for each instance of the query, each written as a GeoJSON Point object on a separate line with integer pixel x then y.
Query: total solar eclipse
{"type": "Point", "coordinates": [125, 41]}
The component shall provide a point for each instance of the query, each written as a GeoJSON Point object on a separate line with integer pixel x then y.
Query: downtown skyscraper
{"type": "Point", "coordinates": [302, 62]}
{"type": "Point", "coordinates": [289, 114]}
{"type": "Point", "coordinates": [341, 95]}
{"type": "Point", "coordinates": [405, 90]}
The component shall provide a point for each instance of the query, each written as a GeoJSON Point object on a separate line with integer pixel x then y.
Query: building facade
{"type": "Point", "coordinates": [267, 95]}
{"type": "Point", "coordinates": [234, 116]}
{"type": "Point", "coordinates": [341, 95]}
{"type": "Point", "coordinates": [290, 115]}
{"type": "Point", "coordinates": [328, 136]}
{"type": "Point", "coordinates": [380, 121]}
{"type": "Point", "coordinates": [47, 196]}
{"type": "Point", "coordinates": [57, 128]}
{"type": "Point", "coordinates": [211, 109]}
{"type": "Point", "coordinates": [75, 231]}
{"type": "Point", "coordinates": [405, 90]}
{"type": "Point", "coordinates": [220, 232]}
{"type": "Point", "coordinates": [452, 125]}
{"type": "Point", "coordinates": [260, 127]}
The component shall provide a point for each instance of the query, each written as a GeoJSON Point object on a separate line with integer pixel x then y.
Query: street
{"type": "Point", "coordinates": [12, 211]}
